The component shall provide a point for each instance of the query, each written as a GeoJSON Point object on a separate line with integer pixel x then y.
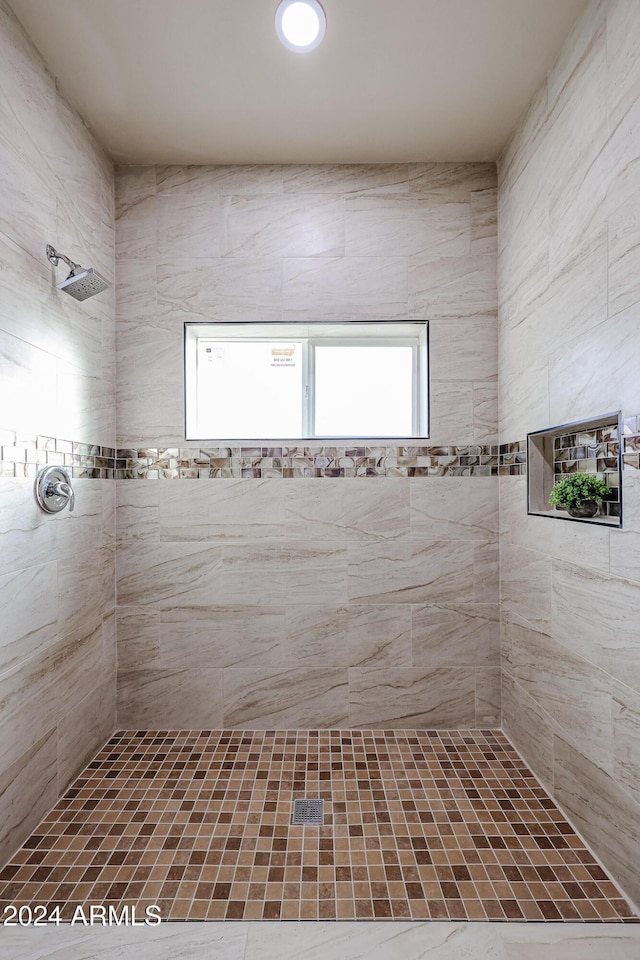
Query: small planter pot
{"type": "Point", "coordinates": [584, 510]}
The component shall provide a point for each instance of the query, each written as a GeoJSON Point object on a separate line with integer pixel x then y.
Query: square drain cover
{"type": "Point", "coordinates": [308, 811]}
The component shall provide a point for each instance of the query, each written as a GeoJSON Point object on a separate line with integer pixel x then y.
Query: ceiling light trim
{"type": "Point", "coordinates": [283, 28]}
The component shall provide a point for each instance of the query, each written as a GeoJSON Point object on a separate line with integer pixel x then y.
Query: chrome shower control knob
{"type": "Point", "coordinates": [54, 490]}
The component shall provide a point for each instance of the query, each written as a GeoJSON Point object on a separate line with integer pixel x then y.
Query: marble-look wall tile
{"type": "Point", "coordinates": [626, 738]}
{"type": "Point", "coordinates": [88, 725]}
{"type": "Point", "coordinates": [227, 289]}
{"type": "Point", "coordinates": [454, 508]}
{"type": "Point", "coordinates": [233, 510]}
{"type": "Point", "coordinates": [484, 221]}
{"type": "Point", "coordinates": [357, 288]}
{"type": "Point", "coordinates": [411, 572]}
{"type": "Point", "coordinates": [56, 381]}
{"type": "Point", "coordinates": [28, 790]}
{"type": "Point", "coordinates": [347, 509]}
{"type": "Point", "coordinates": [405, 226]}
{"type": "Point", "coordinates": [345, 179]}
{"type": "Point", "coordinates": [220, 636]}
{"type": "Point", "coordinates": [488, 697]}
{"type": "Point", "coordinates": [294, 571]}
{"type": "Point", "coordinates": [349, 636]}
{"type": "Point", "coordinates": [529, 728]}
{"type": "Point", "coordinates": [410, 698]}
{"type": "Point", "coordinates": [605, 814]}
{"type": "Point", "coordinates": [299, 226]}
{"type": "Point", "coordinates": [455, 634]}
{"type": "Point", "coordinates": [568, 228]}
{"type": "Point", "coordinates": [153, 698]}
{"type": "Point", "coordinates": [289, 697]}
{"type": "Point", "coordinates": [464, 350]}
{"type": "Point", "coordinates": [450, 287]}
{"type": "Point", "coordinates": [151, 573]}
{"type": "Point", "coordinates": [574, 693]}
{"type": "Point", "coordinates": [206, 181]}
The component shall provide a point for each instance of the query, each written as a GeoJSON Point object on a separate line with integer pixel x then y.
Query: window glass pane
{"type": "Point", "coordinates": [364, 391]}
{"type": "Point", "coordinates": [249, 390]}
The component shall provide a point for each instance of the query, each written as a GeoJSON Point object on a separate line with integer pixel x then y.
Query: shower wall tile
{"type": "Point", "coordinates": [455, 634]}
{"type": "Point", "coordinates": [295, 226]}
{"type": "Point", "coordinates": [220, 636]}
{"type": "Point", "coordinates": [405, 226]}
{"type": "Point", "coordinates": [57, 403]}
{"type": "Point", "coordinates": [89, 721]}
{"type": "Point", "coordinates": [353, 635]}
{"type": "Point", "coordinates": [604, 813]}
{"type": "Point", "coordinates": [454, 509]}
{"type": "Point", "coordinates": [412, 698]}
{"type": "Point", "coordinates": [263, 582]}
{"type": "Point", "coordinates": [28, 790]}
{"type": "Point", "coordinates": [411, 572]}
{"type": "Point", "coordinates": [488, 697]}
{"type": "Point", "coordinates": [264, 699]}
{"type": "Point", "coordinates": [347, 509]}
{"type": "Point", "coordinates": [233, 510]}
{"type": "Point", "coordinates": [569, 350]}
{"type": "Point", "coordinates": [151, 698]}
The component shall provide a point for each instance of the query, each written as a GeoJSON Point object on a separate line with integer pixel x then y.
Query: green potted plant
{"type": "Point", "coordinates": [579, 493]}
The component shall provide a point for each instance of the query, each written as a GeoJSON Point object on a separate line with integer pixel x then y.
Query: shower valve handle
{"type": "Point", "coordinates": [62, 489]}
{"type": "Point", "coordinates": [53, 489]}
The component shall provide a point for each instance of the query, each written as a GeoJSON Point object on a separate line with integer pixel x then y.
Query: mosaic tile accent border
{"type": "Point", "coordinates": [24, 457]}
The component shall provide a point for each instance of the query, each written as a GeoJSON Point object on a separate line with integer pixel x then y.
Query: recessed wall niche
{"type": "Point", "coordinates": [586, 446]}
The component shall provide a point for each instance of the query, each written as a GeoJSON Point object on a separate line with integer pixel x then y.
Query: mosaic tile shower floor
{"type": "Point", "coordinates": [418, 825]}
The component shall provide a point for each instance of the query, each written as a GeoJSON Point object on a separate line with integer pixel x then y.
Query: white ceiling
{"type": "Point", "coordinates": [207, 81]}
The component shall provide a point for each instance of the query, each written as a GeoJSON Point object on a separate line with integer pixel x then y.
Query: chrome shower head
{"type": "Point", "coordinates": [80, 283]}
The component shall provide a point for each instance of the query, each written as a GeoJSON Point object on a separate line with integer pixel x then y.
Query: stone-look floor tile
{"type": "Point", "coordinates": [148, 698]}
{"type": "Point", "coordinates": [290, 697]}
{"type": "Point", "coordinates": [221, 636]}
{"type": "Point", "coordinates": [409, 941]}
{"type": "Point", "coordinates": [28, 789]}
{"type": "Point", "coordinates": [167, 941]}
{"type": "Point", "coordinates": [411, 698]}
{"type": "Point", "coordinates": [455, 634]}
{"type": "Point", "coordinates": [606, 815]}
{"type": "Point", "coordinates": [242, 509]}
{"type": "Point", "coordinates": [454, 508]}
{"type": "Point", "coordinates": [626, 738]}
{"type": "Point", "coordinates": [347, 509]}
{"type": "Point", "coordinates": [312, 940]}
{"type": "Point", "coordinates": [282, 226]}
{"type": "Point", "coordinates": [349, 636]}
{"type": "Point", "coordinates": [414, 572]}
{"type": "Point", "coordinates": [403, 226]}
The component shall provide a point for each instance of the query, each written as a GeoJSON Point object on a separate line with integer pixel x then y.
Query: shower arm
{"type": "Point", "coordinates": [54, 257]}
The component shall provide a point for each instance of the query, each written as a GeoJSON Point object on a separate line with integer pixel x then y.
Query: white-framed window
{"type": "Point", "coordinates": [315, 381]}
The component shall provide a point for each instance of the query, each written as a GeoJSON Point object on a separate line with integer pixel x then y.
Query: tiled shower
{"type": "Point", "coordinates": [217, 631]}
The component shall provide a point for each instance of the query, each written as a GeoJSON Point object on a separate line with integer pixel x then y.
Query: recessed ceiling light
{"type": "Point", "coordinates": [300, 24]}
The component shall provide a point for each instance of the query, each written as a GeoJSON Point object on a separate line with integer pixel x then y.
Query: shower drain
{"type": "Point", "coordinates": [308, 811]}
